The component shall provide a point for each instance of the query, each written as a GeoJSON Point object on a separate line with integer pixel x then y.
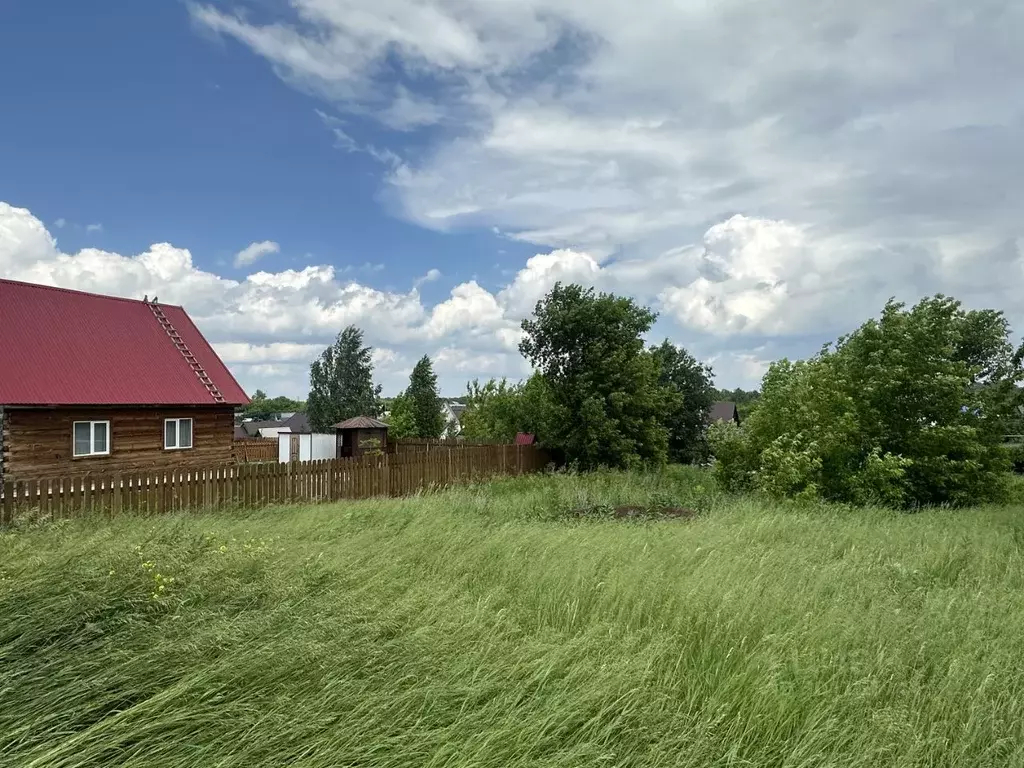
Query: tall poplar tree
{"type": "Point", "coordinates": [424, 400]}
{"type": "Point", "coordinates": [341, 382]}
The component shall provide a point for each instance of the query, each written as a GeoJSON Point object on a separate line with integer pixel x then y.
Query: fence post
{"type": "Point", "coordinates": [8, 510]}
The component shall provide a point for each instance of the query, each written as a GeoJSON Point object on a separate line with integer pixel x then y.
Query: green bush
{"type": "Point", "coordinates": [1015, 453]}
{"type": "Point", "coordinates": [906, 411]}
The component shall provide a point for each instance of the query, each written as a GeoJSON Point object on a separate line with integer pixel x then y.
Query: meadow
{"type": "Point", "coordinates": [487, 627]}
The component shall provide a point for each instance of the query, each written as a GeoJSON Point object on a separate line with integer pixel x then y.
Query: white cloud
{"type": "Point", "coordinates": [469, 308]}
{"type": "Point", "coordinates": [746, 292]}
{"type": "Point", "coordinates": [279, 352]}
{"type": "Point", "coordinates": [337, 127]}
{"type": "Point", "coordinates": [59, 223]}
{"type": "Point", "coordinates": [754, 167]}
{"type": "Point", "coordinates": [93, 228]}
{"type": "Point", "coordinates": [542, 272]}
{"type": "Point", "coordinates": [255, 251]}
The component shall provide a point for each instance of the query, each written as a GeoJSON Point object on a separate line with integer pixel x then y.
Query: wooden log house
{"type": "Point", "coordinates": [93, 384]}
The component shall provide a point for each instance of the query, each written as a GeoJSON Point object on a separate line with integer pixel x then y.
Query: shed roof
{"type": "Point", "coordinates": [63, 347]}
{"type": "Point", "coordinates": [360, 422]}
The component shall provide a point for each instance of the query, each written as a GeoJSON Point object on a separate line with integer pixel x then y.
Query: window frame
{"type": "Point", "coordinates": [177, 434]}
{"type": "Point", "coordinates": [93, 453]}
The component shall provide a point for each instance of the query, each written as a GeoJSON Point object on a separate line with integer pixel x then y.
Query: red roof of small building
{"type": "Point", "coordinates": [63, 347]}
{"type": "Point", "coordinates": [524, 438]}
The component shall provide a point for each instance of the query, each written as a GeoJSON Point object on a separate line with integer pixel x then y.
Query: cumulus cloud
{"type": "Point", "coordinates": [255, 251]}
{"type": "Point", "coordinates": [748, 291]}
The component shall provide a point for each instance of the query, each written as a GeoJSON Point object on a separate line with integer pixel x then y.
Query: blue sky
{"type": "Point", "coordinates": [158, 132]}
{"type": "Point", "coordinates": [764, 174]}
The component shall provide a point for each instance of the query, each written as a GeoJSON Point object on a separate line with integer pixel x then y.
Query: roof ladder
{"type": "Point", "coordinates": [191, 359]}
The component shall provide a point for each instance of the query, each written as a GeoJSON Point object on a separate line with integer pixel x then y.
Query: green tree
{"type": "Point", "coordinates": [906, 410]}
{"type": "Point", "coordinates": [424, 402]}
{"type": "Point", "coordinates": [262, 407]}
{"type": "Point", "coordinates": [498, 410]}
{"type": "Point", "coordinates": [686, 415]}
{"type": "Point", "coordinates": [606, 402]}
{"type": "Point", "coordinates": [341, 382]}
{"type": "Point", "coordinates": [401, 422]}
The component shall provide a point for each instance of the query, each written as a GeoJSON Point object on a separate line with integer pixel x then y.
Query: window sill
{"type": "Point", "coordinates": [90, 456]}
{"type": "Point", "coordinates": [182, 448]}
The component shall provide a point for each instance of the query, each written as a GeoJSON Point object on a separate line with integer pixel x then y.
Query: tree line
{"type": "Point", "coordinates": [598, 397]}
{"type": "Point", "coordinates": [909, 409]}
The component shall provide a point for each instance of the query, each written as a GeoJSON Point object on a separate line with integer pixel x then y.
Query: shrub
{"type": "Point", "coordinates": [1015, 454]}
{"type": "Point", "coordinates": [907, 410]}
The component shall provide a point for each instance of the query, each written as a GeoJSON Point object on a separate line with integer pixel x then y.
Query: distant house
{"type": "Point", "coordinates": [295, 422]}
{"type": "Point", "coordinates": [93, 384]}
{"type": "Point", "coordinates": [452, 418]}
{"type": "Point", "coordinates": [724, 411]}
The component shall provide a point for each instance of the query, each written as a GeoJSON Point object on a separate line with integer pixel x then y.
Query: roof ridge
{"type": "Point", "coordinates": [82, 293]}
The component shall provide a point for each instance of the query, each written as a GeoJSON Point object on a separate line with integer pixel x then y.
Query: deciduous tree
{"type": "Point", "coordinates": [499, 410]}
{"type": "Point", "coordinates": [686, 415]}
{"type": "Point", "coordinates": [400, 420]}
{"type": "Point", "coordinates": [906, 410]}
{"type": "Point", "coordinates": [606, 402]}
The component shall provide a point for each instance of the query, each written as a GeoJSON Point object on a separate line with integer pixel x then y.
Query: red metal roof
{"type": "Point", "coordinates": [524, 438]}
{"type": "Point", "coordinates": [62, 347]}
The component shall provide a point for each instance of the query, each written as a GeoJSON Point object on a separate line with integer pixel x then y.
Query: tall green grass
{"type": "Point", "coordinates": [483, 628]}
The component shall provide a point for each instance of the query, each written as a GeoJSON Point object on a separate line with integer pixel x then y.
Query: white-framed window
{"type": "Point", "coordinates": [90, 438]}
{"type": "Point", "coordinates": [177, 434]}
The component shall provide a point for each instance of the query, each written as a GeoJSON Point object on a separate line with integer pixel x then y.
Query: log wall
{"type": "Point", "coordinates": [37, 442]}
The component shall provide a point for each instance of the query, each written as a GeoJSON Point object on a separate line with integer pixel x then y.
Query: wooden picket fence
{"type": "Point", "coordinates": [260, 485]}
{"type": "Point", "coordinates": [255, 449]}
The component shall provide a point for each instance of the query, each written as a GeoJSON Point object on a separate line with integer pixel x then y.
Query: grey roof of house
{"type": "Point", "coordinates": [722, 411]}
{"type": "Point", "coordinates": [252, 428]}
{"type": "Point", "coordinates": [360, 422]}
{"type": "Point", "coordinates": [240, 433]}
{"type": "Point", "coordinates": [297, 422]}
{"type": "Point", "coordinates": [457, 408]}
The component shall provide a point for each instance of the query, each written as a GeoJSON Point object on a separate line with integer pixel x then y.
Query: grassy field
{"type": "Point", "coordinates": [482, 628]}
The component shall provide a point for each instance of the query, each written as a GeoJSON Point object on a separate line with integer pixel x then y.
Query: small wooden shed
{"type": "Point", "coordinates": [359, 436]}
